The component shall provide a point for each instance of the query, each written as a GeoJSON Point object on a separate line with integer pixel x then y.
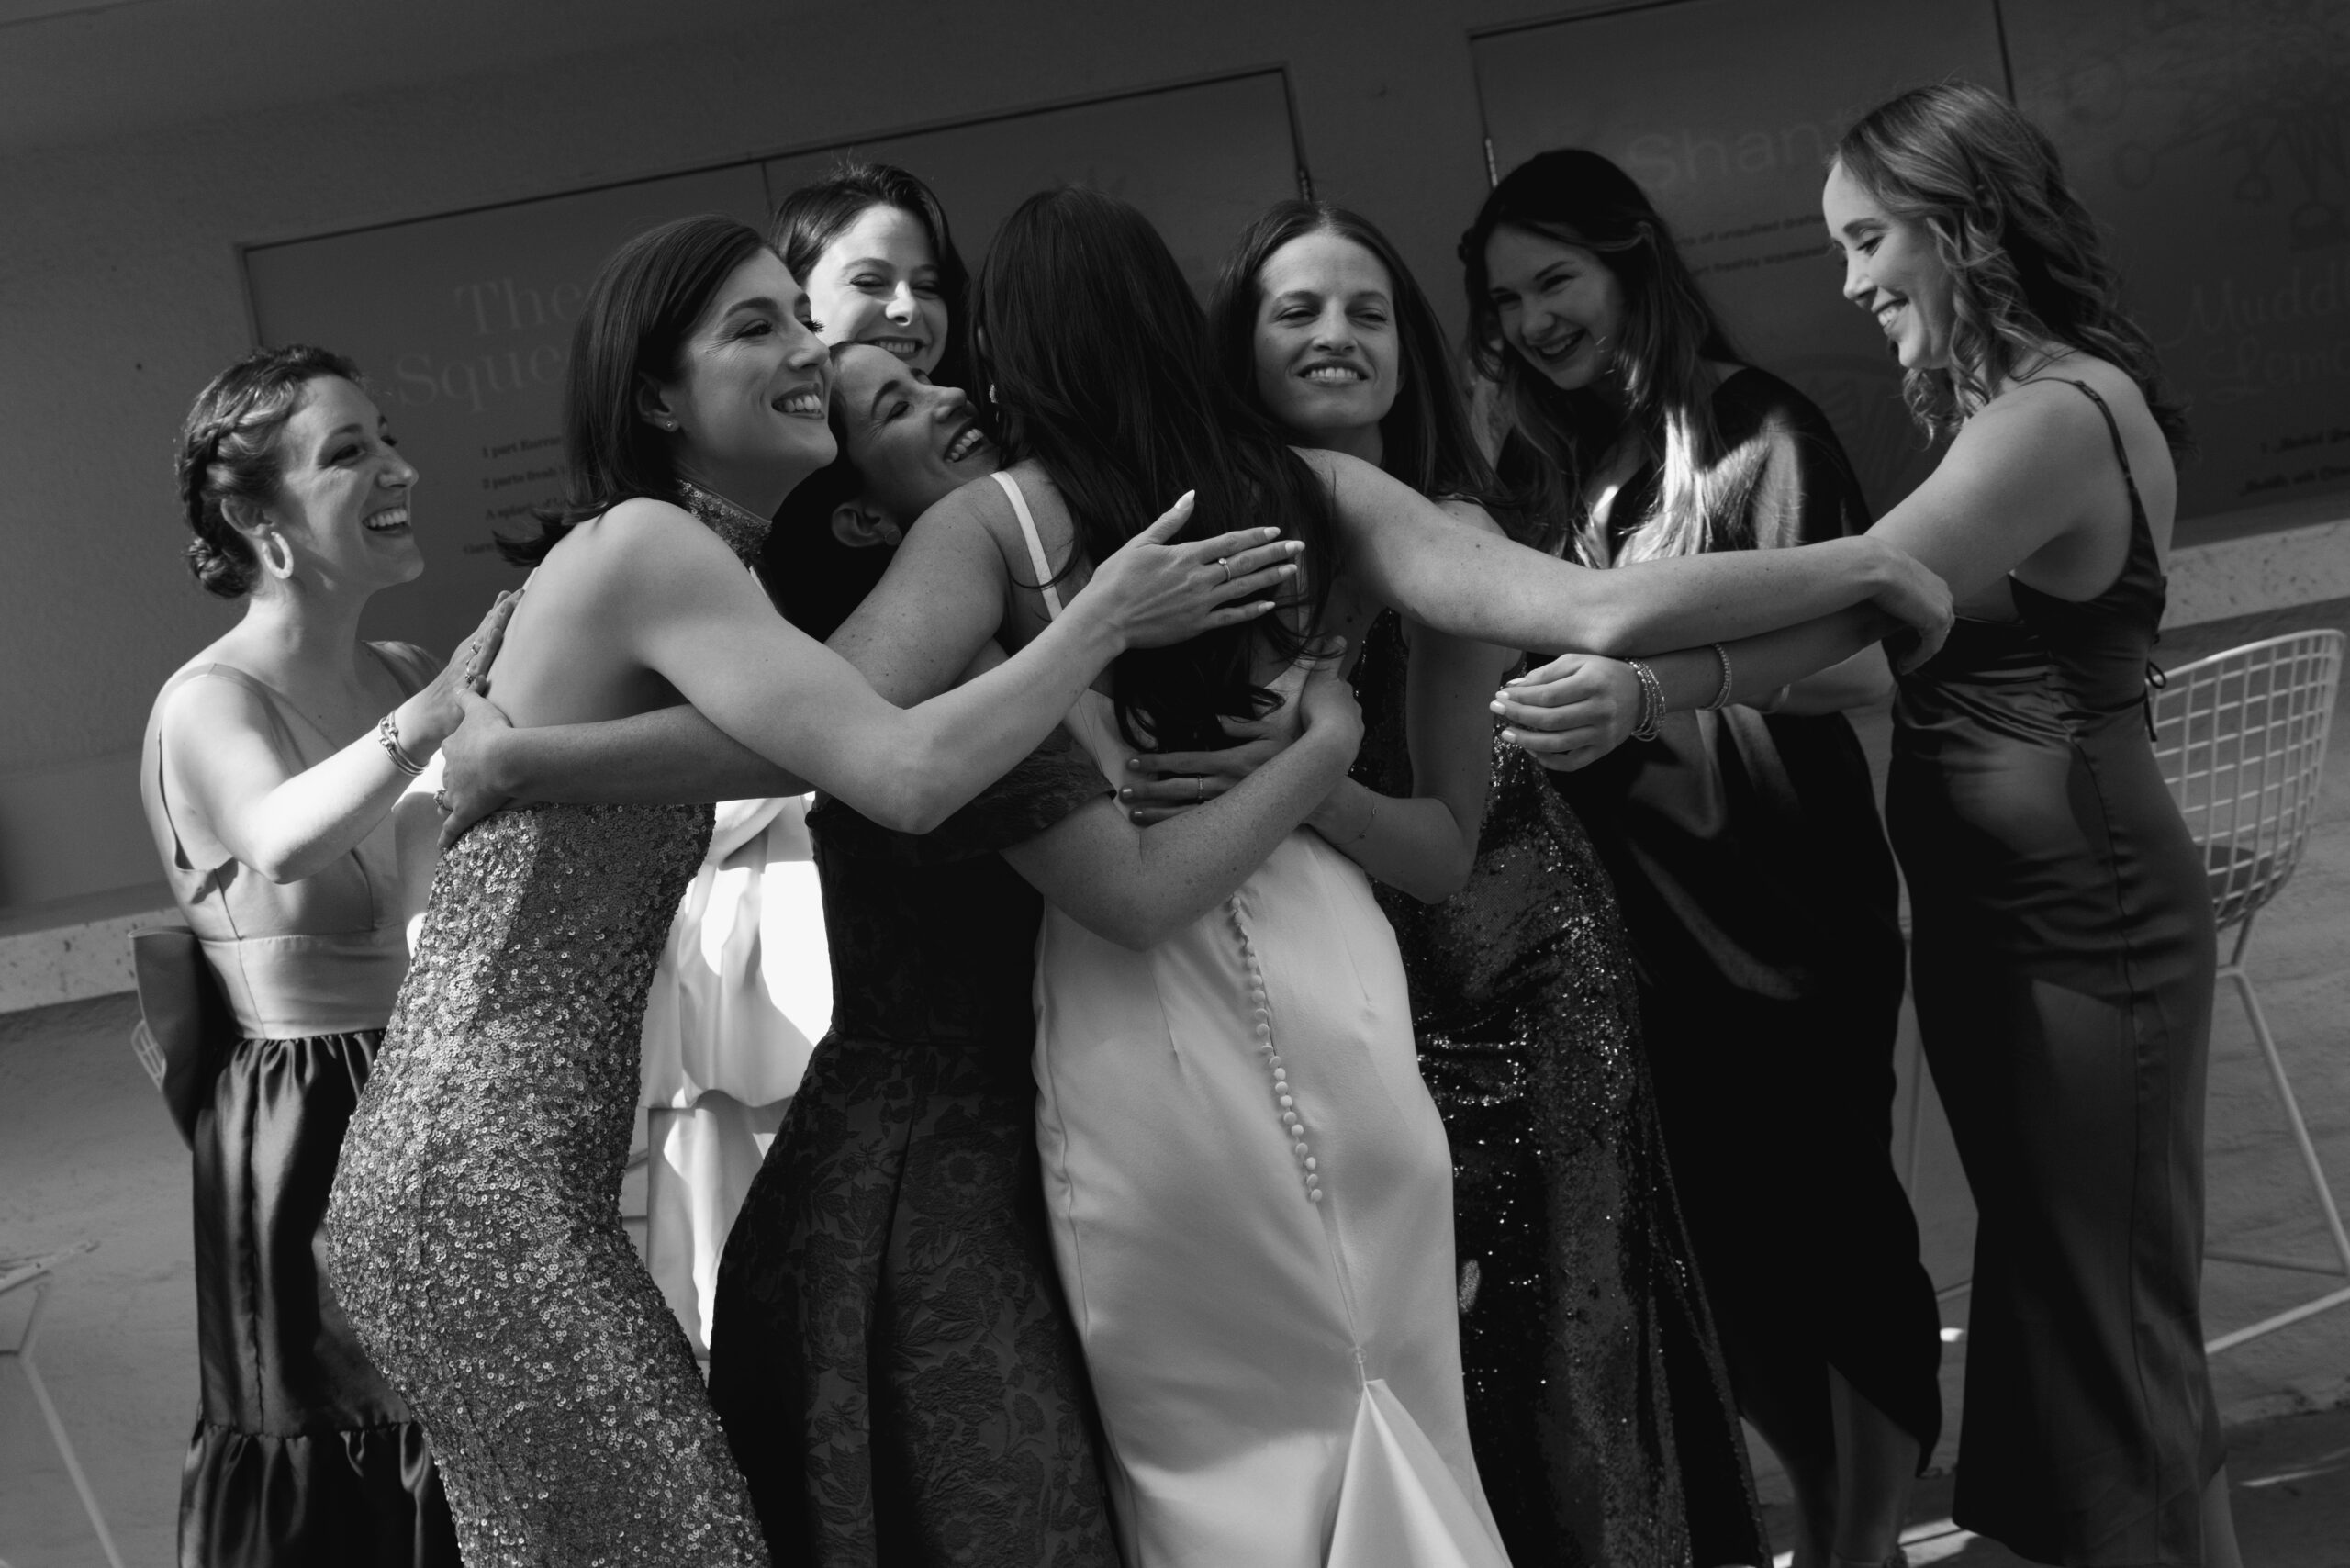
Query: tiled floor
{"type": "Point", "coordinates": [2289, 1481]}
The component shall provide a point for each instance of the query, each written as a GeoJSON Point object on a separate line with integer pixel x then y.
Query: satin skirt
{"type": "Point", "coordinates": [303, 1455]}
{"type": "Point", "coordinates": [1251, 1204]}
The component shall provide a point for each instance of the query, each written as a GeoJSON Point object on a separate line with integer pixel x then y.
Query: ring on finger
{"type": "Point", "coordinates": [440, 799]}
{"type": "Point", "coordinates": [1199, 789]}
{"type": "Point", "coordinates": [1225, 561]}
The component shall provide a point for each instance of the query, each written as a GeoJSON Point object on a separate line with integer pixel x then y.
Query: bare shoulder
{"type": "Point", "coordinates": [1337, 469]}
{"type": "Point", "coordinates": [2035, 432]}
{"type": "Point", "coordinates": [991, 508]}
{"type": "Point", "coordinates": [638, 543]}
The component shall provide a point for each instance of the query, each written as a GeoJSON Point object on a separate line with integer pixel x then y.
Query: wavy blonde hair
{"type": "Point", "coordinates": [2027, 264]}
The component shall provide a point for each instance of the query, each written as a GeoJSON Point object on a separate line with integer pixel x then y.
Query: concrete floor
{"type": "Point", "coordinates": [86, 1152]}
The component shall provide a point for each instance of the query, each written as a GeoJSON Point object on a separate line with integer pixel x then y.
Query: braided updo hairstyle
{"type": "Point", "coordinates": [229, 452]}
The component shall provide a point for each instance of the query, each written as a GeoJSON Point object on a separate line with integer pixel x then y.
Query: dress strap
{"type": "Point", "coordinates": [1037, 557]}
{"type": "Point", "coordinates": [2156, 678]}
{"type": "Point", "coordinates": [2112, 429]}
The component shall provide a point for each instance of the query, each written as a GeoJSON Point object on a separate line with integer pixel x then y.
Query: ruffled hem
{"type": "Point", "coordinates": [365, 1496]}
{"type": "Point", "coordinates": [1400, 1506]}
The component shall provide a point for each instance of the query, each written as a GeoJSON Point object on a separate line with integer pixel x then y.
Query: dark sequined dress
{"type": "Point", "coordinates": [892, 1355]}
{"type": "Point", "coordinates": [475, 1227]}
{"type": "Point", "coordinates": [1598, 1407]}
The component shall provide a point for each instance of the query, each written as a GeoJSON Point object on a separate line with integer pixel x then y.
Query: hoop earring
{"type": "Point", "coordinates": [271, 543]}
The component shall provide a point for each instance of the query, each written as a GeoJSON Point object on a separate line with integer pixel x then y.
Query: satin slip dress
{"type": "Point", "coordinates": [2064, 958]}
{"type": "Point", "coordinates": [1250, 1198]}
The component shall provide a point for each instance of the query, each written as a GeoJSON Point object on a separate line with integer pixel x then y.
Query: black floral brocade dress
{"type": "Point", "coordinates": [893, 1357]}
{"type": "Point", "coordinates": [1760, 898]}
{"type": "Point", "coordinates": [475, 1227]}
{"type": "Point", "coordinates": [1599, 1406]}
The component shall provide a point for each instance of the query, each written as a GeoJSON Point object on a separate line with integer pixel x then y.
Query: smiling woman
{"type": "Point", "coordinates": [1743, 841]}
{"type": "Point", "coordinates": [273, 777]}
{"type": "Point", "coordinates": [871, 242]}
{"type": "Point", "coordinates": [2063, 951]}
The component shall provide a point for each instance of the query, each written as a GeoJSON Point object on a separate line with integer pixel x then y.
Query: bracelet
{"type": "Point", "coordinates": [388, 736]}
{"type": "Point", "coordinates": [1652, 700]}
{"type": "Point", "coordinates": [1721, 698]}
{"type": "Point", "coordinates": [1370, 819]}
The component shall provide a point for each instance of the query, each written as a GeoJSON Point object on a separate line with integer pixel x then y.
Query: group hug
{"type": "Point", "coordinates": [1364, 956]}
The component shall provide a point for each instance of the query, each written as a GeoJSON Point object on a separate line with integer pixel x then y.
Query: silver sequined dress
{"type": "Point", "coordinates": [475, 1234]}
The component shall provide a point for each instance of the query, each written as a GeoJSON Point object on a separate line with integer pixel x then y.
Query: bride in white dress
{"type": "Point", "coordinates": [1250, 1197]}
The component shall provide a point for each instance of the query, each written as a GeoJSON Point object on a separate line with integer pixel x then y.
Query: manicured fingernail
{"type": "Point", "coordinates": [1134, 763]}
{"type": "Point", "coordinates": [1126, 793]}
{"type": "Point", "coordinates": [1495, 706]}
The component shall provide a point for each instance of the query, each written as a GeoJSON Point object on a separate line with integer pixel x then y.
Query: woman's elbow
{"type": "Point", "coordinates": [285, 867]}
{"type": "Point", "coordinates": [913, 805]}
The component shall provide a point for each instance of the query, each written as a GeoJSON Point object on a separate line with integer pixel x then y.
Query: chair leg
{"type": "Point", "coordinates": [23, 1352]}
{"type": "Point", "coordinates": [2236, 974]}
{"type": "Point", "coordinates": [2293, 1116]}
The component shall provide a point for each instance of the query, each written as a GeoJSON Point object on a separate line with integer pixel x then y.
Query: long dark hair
{"type": "Point", "coordinates": [640, 311]}
{"type": "Point", "coordinates": [229, 452]}
{"type": "Point", "coordinates": [816, 580]}
{"type": "Point", "coordinates": [2026, 262]}
{"type": "Point", "coordinates": [815, 215]}
{"type": "Point", "coordinates": [1425, 438]}
{"type": "Point", "coordinates": [1102, 373]}
{"type": "Point", "coordinates": [1670, 332]}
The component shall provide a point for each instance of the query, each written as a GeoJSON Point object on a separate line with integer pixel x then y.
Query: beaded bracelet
{"type": "Point", "coordinates": [388, 736]}
{"type": "Point", "coordinates": [1721, 698]}
{"type": "Point", "coordinates": [1652, 700]}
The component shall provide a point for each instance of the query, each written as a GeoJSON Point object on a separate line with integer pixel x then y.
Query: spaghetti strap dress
{"type": "Point", "coordinates": [2063, 961]}
{"type": "Point", "coordinates": [303, 1455]}
{"type": "Point", "coordinates": [1250, 1199]}
{"type": "Point", "coordinates": [474, 1229]}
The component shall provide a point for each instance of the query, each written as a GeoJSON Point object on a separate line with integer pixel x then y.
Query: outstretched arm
{"type": "Point", "coordinates": [930, 624]}
{"type": "Point", "coordinates": [1446, 575]}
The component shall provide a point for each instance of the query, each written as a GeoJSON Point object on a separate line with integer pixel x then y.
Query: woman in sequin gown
{"type": "Point", "coordinates": [296, 856]}
{"type": "Point", "coordinates": [474, 1229]}
{"type": "Point", "coordinates": [1571, 1255]}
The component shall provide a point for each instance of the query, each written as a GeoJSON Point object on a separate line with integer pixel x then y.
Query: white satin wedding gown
{"type": "Point", "coordinates": [1250, 1197]}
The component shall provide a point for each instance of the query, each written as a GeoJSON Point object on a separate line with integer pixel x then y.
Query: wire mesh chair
{"type": "Point", "coordinates": [2240, 739]}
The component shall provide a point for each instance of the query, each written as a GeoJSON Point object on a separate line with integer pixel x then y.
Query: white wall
{"type": "Point", "coordinates": [120, 292]}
